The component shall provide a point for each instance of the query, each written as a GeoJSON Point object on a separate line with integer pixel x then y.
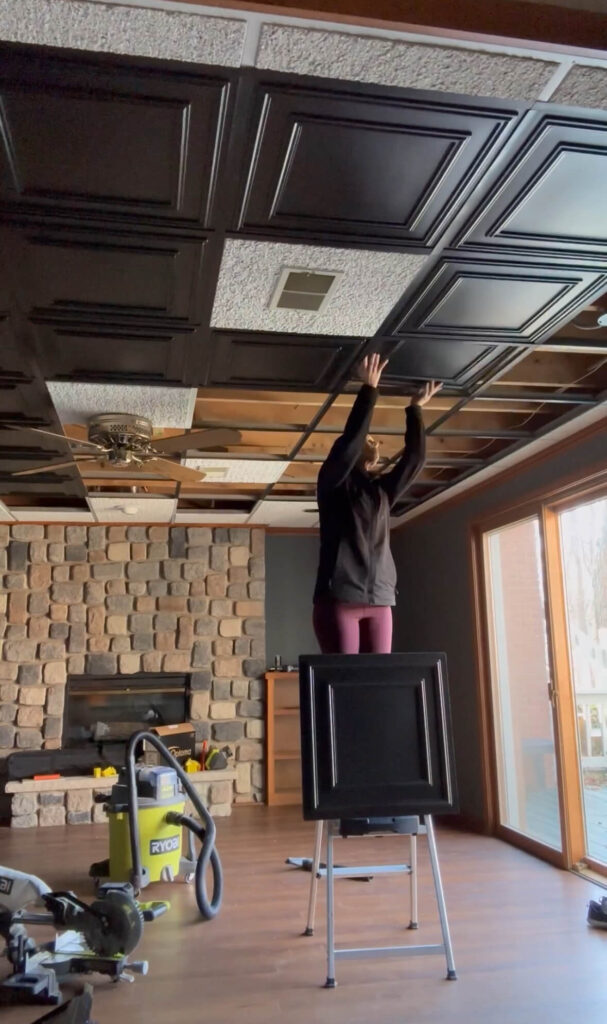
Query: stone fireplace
{"type": "Point", "coordinates": [153, 603]}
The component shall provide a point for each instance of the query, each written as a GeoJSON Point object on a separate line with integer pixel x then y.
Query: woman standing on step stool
{"type": "Point", "coordinates": [356, 581]}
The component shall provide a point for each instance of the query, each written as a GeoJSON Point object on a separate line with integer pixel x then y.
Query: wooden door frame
{"type": "Point", "coordinates": [546, 507]}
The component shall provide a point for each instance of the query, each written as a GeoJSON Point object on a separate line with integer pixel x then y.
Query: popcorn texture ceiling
{"type": "Point", "coordinates": [363, 296]}
{"type": "Point", "coordinates": [165, 407]}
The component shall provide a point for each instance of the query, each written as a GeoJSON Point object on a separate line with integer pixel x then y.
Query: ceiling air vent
{"type": "Point", "coordinates": [306, 290]}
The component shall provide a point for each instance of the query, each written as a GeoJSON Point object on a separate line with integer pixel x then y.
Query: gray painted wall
{"type": "Point", "coordinates": [435, 609]}
{"type": "Point", "coordinates": [291, 563]}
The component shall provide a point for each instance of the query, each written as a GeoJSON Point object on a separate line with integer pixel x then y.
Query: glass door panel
{"type": "Point", "coordinates": [521, 683]}
{"type": "Point", "coordinates": [583, 532]}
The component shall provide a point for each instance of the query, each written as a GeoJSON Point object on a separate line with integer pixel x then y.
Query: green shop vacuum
{"type": "Point", "coordinates": [148, 825]}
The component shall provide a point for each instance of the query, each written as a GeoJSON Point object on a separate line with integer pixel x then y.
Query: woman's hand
{"type": "Point", "coordinates": [428, 392]}
{"type": "Point", "coordinates": [371, 369]}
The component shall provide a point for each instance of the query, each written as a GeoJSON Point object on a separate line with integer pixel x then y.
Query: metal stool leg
{"type": "Point", "coordinates": [314, 879]}
{"type": "Point", "coordinates": [330, 982]}
{"type": "Point", "coordinates": [440, 899]}
{"type": "Point", "coordinates": [413, 923]}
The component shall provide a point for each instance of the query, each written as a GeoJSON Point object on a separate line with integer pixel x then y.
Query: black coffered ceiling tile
{"type": "Point", "coordinates": [288, 362]}
{"type": "Point", "coordinates": [553, 195]}
{"type": "Point", "coordinates": [497, 300]}
{"type": "Point", "coordinates": [94, 274]}
{"type": "Point", "coordinates": [19, 403]}
{"type": "Point", "coordinates": [109, 139]}
{"type": "Point", "coordinates": [25, 403]}
{"type": "Point", "coordinates": [451, 362]}
{"type": "Point", "coordinates": [13, 368]}
{"type": "Point", "coordinates": [367, 166]}
{"type": "Point", "coordinates": [114, 353]}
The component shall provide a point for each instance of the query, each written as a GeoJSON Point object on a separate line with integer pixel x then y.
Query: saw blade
{"type": "Point", "coordinates": [114, 926]}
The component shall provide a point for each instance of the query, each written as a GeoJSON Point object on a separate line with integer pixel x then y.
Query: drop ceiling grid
{"type": "Point", "coordinates": [375, 282]}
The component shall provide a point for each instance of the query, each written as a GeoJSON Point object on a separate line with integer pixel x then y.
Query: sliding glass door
{"type": "Point", "coordinates": [521, 683]}
{"type": "Point", "coordinates": [542, 588]}
{"type": "Point", "coordinates": [583, 536]}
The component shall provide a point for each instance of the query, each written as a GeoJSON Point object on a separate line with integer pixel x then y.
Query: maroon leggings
{"type": "Point", "coordinates": [353, 628]}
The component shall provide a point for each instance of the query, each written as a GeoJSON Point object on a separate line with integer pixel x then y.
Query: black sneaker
{"type": "Point", "coordinates": [597, 913]}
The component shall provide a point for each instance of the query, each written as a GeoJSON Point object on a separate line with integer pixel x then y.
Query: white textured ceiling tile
{"type": "Point", "coordinates": [583, 87]}
{"type": "Point", "coordinates": [144, 510]}
{"type": "Point", "coordinates": [371, 284]}
{"type": "Point", "coordinates": [53, 515]}
{"type": "Point", "coordinates": [5, 515]}
{"type": "Point", "coordinates": [165, 407]}
{"type": "Point", "coordinates": [239, 471]}
{"type": "Point", "coordinates": [361, 58]}
{"type": "Point", "coordinates": [115, 28]}
{"type": "Point", "coordinates": [296, 514]}
{"type": "Point", "coordinates": [201, 518]}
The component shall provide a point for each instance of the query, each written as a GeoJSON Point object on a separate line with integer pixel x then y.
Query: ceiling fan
{"type": "Point", "coordinates": [123, 441]}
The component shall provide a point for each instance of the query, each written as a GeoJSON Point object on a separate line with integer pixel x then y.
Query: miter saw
{"type": "Point", "coordinates": [93, 937]}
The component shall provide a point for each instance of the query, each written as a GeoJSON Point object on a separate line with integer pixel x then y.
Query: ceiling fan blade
{"type": "Point", "coordinates": [212, 437]}
{"type": "Point", "coordinates": [175, 471]}
{"type": "Point", "coordinates": [51, 467]}
{"type": "Point", "coordinates": [61, 437]}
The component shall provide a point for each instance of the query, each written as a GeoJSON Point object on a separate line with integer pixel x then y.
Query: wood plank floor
{"type": "Point", "coordinates": [523, 950]}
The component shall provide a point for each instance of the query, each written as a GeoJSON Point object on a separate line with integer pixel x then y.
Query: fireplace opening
{"type": "Point", "coordinates": [102, 713]}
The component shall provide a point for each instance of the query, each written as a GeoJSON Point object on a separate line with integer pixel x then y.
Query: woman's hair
{"type": "Point", "coordinates": [370, 452]}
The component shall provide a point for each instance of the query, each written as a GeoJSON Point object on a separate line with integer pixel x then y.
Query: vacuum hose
{"type": "Point", "coordinates": [205, 829]}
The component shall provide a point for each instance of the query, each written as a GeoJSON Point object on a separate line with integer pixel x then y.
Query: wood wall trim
{"type": "Point", "coordinates": [593, 430]}
{"type": "Point", "coordinates": [509, 835]}
{"type": "Point", "coordinates": [572, 488]}
{"type": "Point", "coordinates": [564, 713]}
{"type": "Point", "coordinates": [513, 20]}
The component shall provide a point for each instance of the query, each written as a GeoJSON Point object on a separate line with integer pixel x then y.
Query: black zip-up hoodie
{"type": "Point", "coordinates": [356, 564]}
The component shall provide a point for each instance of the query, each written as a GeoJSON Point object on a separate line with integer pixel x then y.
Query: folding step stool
{"type": "Point", "coordinates": [409, 826]}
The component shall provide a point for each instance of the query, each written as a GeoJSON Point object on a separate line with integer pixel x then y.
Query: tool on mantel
{"type": "Point", "coordinates": [123, 441]}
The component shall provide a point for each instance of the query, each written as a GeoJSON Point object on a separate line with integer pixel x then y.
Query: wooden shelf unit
{"type": "Point", "coordinates": [283, 774]}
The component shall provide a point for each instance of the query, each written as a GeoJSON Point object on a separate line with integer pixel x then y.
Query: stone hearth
{"type": "Point", "coordinates": [71, 800]}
